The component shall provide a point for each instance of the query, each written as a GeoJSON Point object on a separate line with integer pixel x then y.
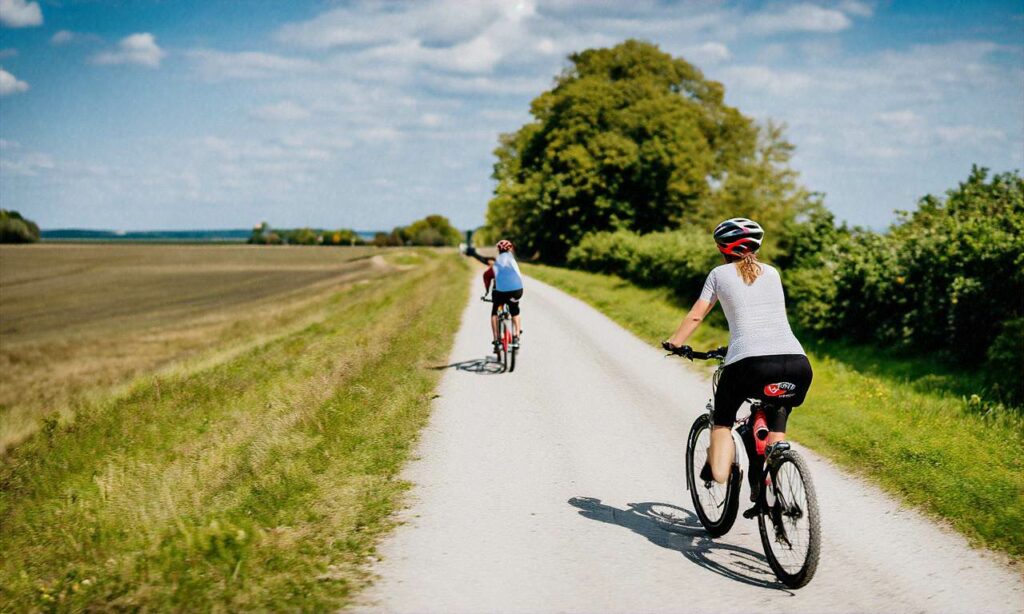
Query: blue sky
{"type": "Point", "coordinates": [213, 114]}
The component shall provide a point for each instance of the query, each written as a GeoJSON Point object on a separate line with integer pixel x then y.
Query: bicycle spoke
{"type": "Point", "coordinates": [790, 523]}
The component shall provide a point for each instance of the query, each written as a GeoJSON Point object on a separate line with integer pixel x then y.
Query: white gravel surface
{"type": "Point", "coordinates": [560, 488]}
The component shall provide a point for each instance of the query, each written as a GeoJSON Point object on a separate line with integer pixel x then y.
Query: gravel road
{"type": "Point", "coordinates": [560, 488]}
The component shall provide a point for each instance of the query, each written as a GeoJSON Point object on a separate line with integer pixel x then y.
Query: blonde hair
{"type": "Point", "coordinates": [748, 267]}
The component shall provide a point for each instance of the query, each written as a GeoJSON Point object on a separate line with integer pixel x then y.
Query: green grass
{"type": "Point", "coordinates": [257, 483]}
{"type": "Point", "coordinates": [904, 423]}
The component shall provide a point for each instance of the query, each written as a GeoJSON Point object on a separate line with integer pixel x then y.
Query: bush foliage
{"type": "Point", "coordinates": [946, 279]}
{"type": "Point", "coordinates": [16, 229]}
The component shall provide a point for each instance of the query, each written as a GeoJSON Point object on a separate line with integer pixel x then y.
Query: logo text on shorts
{"type": "Point", "coordinates": [780, 390]}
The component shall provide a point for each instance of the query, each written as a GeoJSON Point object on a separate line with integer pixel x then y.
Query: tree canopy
{"type": "Point", "coordinates": [632, 138]}
{"type": "Point", "coordinates": [16, 229]}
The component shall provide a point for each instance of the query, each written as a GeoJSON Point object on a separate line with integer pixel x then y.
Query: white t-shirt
{"type": "Point", "coordinates": [756, 313]}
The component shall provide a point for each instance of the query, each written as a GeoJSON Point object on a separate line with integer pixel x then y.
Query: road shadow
{"type": "Point", "coordinates": [481, 366]}
{"type": "Point", "coordinates": [678, 529]}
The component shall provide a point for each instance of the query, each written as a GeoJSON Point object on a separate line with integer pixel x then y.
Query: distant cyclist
{"type": "Point", "coordinates": [508, 290]}
{"type": "Point", "coordinates": [764, 360]}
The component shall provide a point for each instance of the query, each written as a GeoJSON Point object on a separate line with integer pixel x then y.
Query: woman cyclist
{"type": "Point", "coordinates": [508, 289]}
{"type": "Point", "coordinates": [764, 360]}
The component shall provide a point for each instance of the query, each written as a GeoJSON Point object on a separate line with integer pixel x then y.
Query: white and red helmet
{"type": "Point", "coordinates": [738, 236]}
{"type": "Point", "coordinates": [504, 246]}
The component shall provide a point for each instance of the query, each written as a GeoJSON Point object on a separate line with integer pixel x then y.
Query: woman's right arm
{"type": "Point", "coordinates": [691, 322]}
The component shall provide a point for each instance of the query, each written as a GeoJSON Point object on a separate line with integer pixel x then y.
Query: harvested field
{"type": "Point", "coordinates": [79, 319]}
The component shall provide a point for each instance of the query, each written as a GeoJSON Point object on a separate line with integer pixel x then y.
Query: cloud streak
{"type": "Point", "coordinates": [140, 49]}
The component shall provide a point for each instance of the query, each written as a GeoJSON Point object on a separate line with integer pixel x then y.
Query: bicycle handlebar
{"type": "Point", "coordinates": [688, 352]}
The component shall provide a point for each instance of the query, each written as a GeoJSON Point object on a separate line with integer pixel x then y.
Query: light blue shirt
{"type": "Point", "coordinates": [507, 277]}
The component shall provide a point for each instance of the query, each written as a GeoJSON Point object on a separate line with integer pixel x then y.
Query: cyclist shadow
{"type": "Point", "coordinates": [480, 366]}
{"type": "Point", "coordinates": [678, 529]}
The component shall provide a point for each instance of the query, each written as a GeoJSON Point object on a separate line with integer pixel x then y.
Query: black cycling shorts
{"type": "Point", "coordinates": [506, 298]}
{"type": "Point", "coordinates": [781, 382]}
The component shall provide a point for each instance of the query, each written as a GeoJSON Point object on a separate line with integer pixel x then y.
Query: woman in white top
{"type": "Point", "coordinates": [765, 361]}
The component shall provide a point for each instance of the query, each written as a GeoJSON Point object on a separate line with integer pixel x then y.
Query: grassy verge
{"type": "Point", "coordinates": [873, 414]}
{"type": "Point", "coordinates": [257, 483]}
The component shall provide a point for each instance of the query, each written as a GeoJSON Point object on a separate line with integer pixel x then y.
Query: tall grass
{"type": "Point", "coordinates": [902, 422]}
{"type": "Point", "coordinates": [258, 483]}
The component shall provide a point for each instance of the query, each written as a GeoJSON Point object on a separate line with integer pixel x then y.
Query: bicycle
{"type": "Point", "coordinates": [507, 350]}
{"type": "Point", "coordinates": [786, 505]}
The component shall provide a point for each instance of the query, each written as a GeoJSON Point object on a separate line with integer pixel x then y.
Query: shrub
{"type": "Point", "coordinates": [16, 229]}
{"type": "Point", "coordinates": [679, 260]}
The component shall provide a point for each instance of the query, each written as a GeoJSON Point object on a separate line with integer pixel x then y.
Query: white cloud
{"type": "Point", "coordinates": [20, 14]}
{"type": "Point", "coordinates": [904, 119]}
{"type": "Point", "coordinates": [765, 80]}
{"type": "Point", "coordinates": [27, 164]}
{"type": "Point", "coordinates": [138, 49]}
{"type": "Point", "coordinates": [62, 37]}
{"type": "Point", "coordinates": [220, 65]}
{"type": "Point", "coordinates": [799, 18]}
{"type": "Point", "coordinates": [436, 23]}
{"type": "Point", "coordinates": [859, 9]}
{"type": "Point", "coordinates": [286, 111]}
{"type": "Point", "coordinates": [707, 53]}
{"type": "Point", "coordinates": [432, 120]}
{"type": "Point", "coordinates": [969, 135]}
{"type": "Point", "coordinates": [9, 84]}
{"type": "Point", "coordinates": [67, 37]}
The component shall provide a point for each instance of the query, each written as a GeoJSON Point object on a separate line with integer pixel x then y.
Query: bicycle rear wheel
{"type": "Point", "coordinates": [503, 338]}
{"type": "Point", "coordinates": [716, 504]}
{"type": "Point", "coordinates": [791, 527]}
{"type": "Point", "coordinates": [512, 358]}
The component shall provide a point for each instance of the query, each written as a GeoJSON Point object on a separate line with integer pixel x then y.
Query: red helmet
{"type": "Point", "coordinates": [738, 236]}
{"type": "Point", "coordinates": [504, 246]}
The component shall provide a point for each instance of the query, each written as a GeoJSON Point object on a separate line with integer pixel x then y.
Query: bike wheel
{"type": "Point", "coordinates": [503, 338]}
{"type": "Point", "coordinates": [716, 504]}
{"type": "Point", "coordinates": [791, 527]}
{"type": "Point", "coordinates": [512, 358]}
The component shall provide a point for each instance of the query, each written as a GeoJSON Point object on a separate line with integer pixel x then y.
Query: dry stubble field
{"type": "Point", "coordinates": [79, 319]}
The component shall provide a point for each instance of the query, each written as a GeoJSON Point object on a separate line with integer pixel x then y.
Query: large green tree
{"type": "Point", "coordinates": [633, 138]}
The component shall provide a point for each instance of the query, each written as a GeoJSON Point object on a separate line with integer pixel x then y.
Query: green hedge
{"type": "Point", "coordinates": [678, 260]}
{"type": "Point", "coordinates": [947, 279]}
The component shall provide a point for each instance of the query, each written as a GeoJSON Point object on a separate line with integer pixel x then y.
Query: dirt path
{"type": "Point", "coordinates": [560, 487]}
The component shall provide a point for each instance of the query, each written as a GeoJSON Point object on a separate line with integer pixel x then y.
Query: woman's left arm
{"type": "Point", "coordinates": [693, 318]}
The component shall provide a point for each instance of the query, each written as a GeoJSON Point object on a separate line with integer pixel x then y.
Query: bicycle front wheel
{"type": "Point", "coordinates": [716, 504]}
{"type": "Point", "coordinates": [790, 526]}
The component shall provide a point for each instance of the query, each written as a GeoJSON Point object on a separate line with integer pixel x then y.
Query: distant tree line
{"type": "Point", "coordinates": [16, 229]}
{"type": "Point", "coordinates": [433, 230]}
{"type": "Point", "coordinates": [263, 234]}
